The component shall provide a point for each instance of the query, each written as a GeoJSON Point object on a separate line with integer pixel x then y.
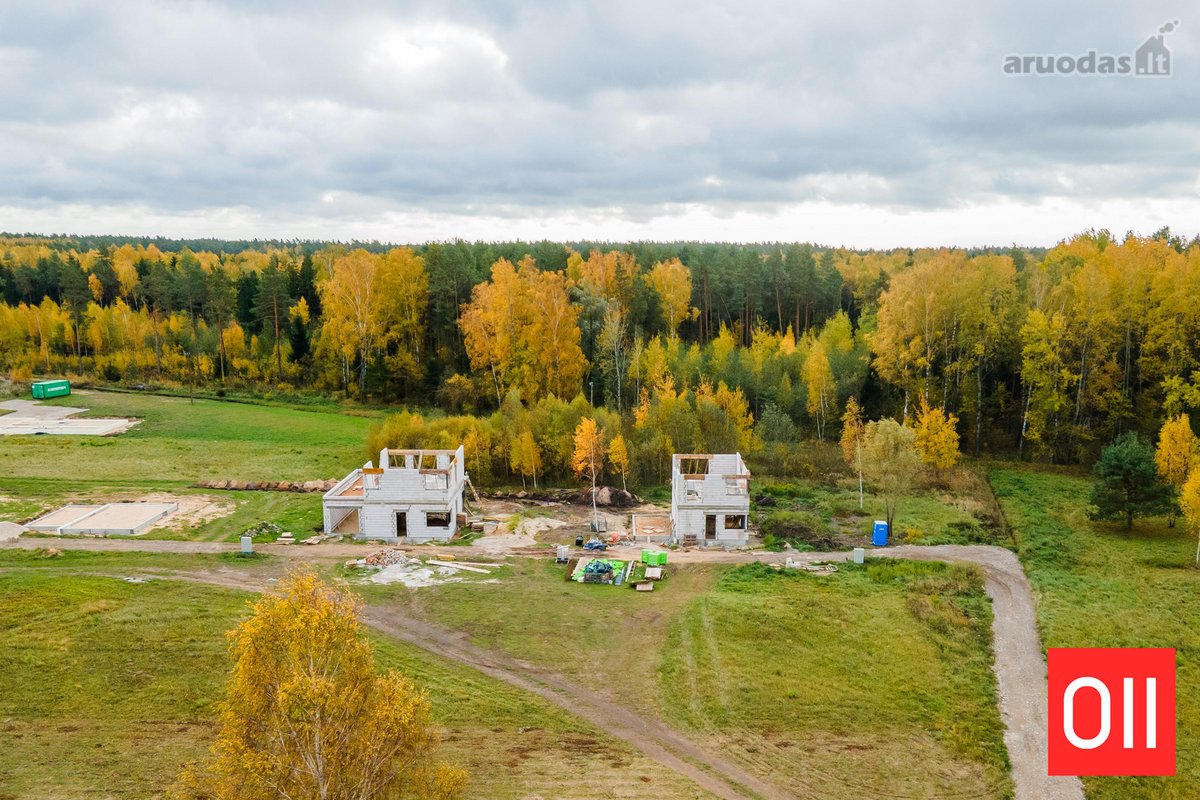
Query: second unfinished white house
{"type": "Point", "coordinates": [710, 499]}
{"type": "Point", "coordinates": [412, 496]}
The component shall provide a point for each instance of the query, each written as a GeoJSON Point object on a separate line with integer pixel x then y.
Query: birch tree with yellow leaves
{"type": "Point", "coordinates": [306, 713]}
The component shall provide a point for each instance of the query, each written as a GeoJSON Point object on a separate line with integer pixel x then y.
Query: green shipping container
{"type": "Point", "coordinates": [44, 390]}
{"type": "Point", "coordinates": [661, 559]}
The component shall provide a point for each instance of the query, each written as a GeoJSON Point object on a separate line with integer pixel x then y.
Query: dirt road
{"type": "Point", "coordinates": [1019, 666]}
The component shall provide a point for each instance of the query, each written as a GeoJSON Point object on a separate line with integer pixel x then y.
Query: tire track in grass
{"type": "Point", "coordinates": [1018, 664]}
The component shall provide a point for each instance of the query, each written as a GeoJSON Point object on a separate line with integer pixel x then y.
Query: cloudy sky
{"type": "Point", "coordinates": [868, 124]}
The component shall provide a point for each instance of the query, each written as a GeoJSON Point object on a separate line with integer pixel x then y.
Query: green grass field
{"type": "Point", "coordinates": [875, 681]}
{"type": "Point", "coordinates": [177, 444]}
{"type": "Point", "coordinates": [109, 687]}
{"type": "Point", "coordinates": [1098, 585]}
{"type": "Point", "coordinates": [868, 683]}
{"type": "Point", "coordinates": [180, 442]}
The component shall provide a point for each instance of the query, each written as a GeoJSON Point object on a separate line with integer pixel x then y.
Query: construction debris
{"type": "Point", "coordinates": [822, 567]}
{"type": "Point", "coordinates": [384, 558]}
{"type": "Point", "coordinates": [267, 529]}
{"type": "Point", "coordinates": [393, 566]}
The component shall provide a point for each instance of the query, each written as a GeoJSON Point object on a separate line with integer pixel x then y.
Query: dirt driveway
{"type": "Point", "coordinates": [1019, 665]}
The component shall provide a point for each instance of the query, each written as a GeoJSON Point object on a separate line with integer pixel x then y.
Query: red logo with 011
{"type": "Point", "coordinates": [1111, 711]}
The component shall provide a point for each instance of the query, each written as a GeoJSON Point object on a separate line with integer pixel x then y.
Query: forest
{"type": "Point", "coordinates": [1040, 354]}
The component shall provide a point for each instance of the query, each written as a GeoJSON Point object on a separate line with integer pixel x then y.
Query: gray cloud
{"type": "Point", "coordinates": [297, 110]}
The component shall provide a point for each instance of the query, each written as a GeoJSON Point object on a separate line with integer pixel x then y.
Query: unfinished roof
{"type": "Point", "coordinates": [425, 461]}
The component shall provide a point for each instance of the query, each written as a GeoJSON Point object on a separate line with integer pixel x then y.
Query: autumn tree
{"type": "Point", "coordinates": [890, 461]}
{"type": "Point", "coordinates": [587, 460]}
{"type": "Point", "coordinates": [525, 457]}
{"type": "Point", "coordinates": [618, 457]}
{"type": "Point", "coordinates": [523, 330]}
{"type": "Point", "coordinates": [1176, 454]}
{"type": "Point", "coordinates": [853, 432]}
{"type": "Point", "coordinates": [307, 715]}
{"type": "Point", "coordinates": [614, 346]}
{"type": "Point", "coordinates": [673, 283]}
{"type": "Point", "coordinates": [348, 297]}
{"type": "Point", "coordinates": [818, 378]}
{"type": "Point", "coordinates": [1189, 503]}
{"type": "Point", "coordinates": [272, 306]}
{"type": "Point", "coordinates": [936, 438]}
{"type": "Point", "coordinates": [401, 296]}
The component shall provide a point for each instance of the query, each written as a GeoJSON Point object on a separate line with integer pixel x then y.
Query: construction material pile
{"type": "Point", "coordinates": [393, 566]}
{"type": "Point", "coordinates": [267, 530]}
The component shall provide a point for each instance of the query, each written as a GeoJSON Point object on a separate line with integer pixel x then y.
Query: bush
{"type": "Point", "coordinates": [111, 373]}
{"type": "Point", "coordinates": [788, 490]}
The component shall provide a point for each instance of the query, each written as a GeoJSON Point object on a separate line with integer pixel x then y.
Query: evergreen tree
{"type": "Point", "coordinates": [1127, 484]}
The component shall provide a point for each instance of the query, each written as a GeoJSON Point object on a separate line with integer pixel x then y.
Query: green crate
{"type": "Point", "coordinates": [654, 558]}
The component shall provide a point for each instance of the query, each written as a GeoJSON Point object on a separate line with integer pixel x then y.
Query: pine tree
{"type": "Point", "coordinates": [1127, 484]}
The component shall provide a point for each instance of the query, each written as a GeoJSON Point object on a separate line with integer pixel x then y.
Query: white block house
{"type": "Point", "coordinates": [710, 499]}
{"type": "Point", "coordinates": [412, 496]}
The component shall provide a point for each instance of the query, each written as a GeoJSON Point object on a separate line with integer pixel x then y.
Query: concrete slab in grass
{"type": "Point", "coordinates": [11, 531]}
{"type": "Point", "coordinates": [33, 419]}
{"type": "Point", "coordinates": [121, 519]}
{"type": "Point", "coordinates": [111, 519]}
{"type": "Point", "coordinates": [52, 522]}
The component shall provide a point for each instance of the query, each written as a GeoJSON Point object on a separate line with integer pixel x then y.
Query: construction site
{"type": "Point", "coordinates": [163, 529]}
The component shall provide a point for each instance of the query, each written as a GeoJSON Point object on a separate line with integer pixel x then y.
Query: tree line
{"type": "Point", "coordinates": [1047, 354]}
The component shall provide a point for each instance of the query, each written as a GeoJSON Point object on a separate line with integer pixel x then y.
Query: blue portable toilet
{"type": "Point", "coordinates": [879, 535]}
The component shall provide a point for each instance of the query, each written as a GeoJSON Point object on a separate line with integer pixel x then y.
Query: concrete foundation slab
{"type": "Point", "coordinates": [112, 519]}
{"type": "Point", "coordinates": [50, 523]}
{"type": "Point", "coordinates": [11, 531]}
{"type": "Point", "coordinates": [35, 419]}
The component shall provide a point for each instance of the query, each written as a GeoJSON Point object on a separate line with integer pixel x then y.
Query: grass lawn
{"type": "Point", "coordinates": [108, 687]}
{"type": "Point", "coordinates": [872, 682]}
{"type": "Point", "coordinates": [177, 444]}
{"type": "Point", "coordinates": [1099, 585]}
{"type": "Point", "coordinates": [869, 683]}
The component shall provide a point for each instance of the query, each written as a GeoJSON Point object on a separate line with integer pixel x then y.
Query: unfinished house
{"type": "Point", "coordinates": [412, 496]}
{"type": "Point", "coordinates": [710, 499]}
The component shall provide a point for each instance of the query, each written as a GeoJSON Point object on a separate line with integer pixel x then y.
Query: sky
{"type": "Point", "coordinates": [876, 124]}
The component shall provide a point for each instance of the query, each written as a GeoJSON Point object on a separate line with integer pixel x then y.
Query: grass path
{"type": "Point", "coordinates": [1020, 674]}
{"type": "Point", "coordinates": [1099, 585]}
{"type": "Point", "coordinates": [109, 687]}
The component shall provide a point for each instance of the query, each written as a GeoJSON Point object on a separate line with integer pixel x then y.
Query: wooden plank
{"type": "Point", "coordinates": [456, 565]}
